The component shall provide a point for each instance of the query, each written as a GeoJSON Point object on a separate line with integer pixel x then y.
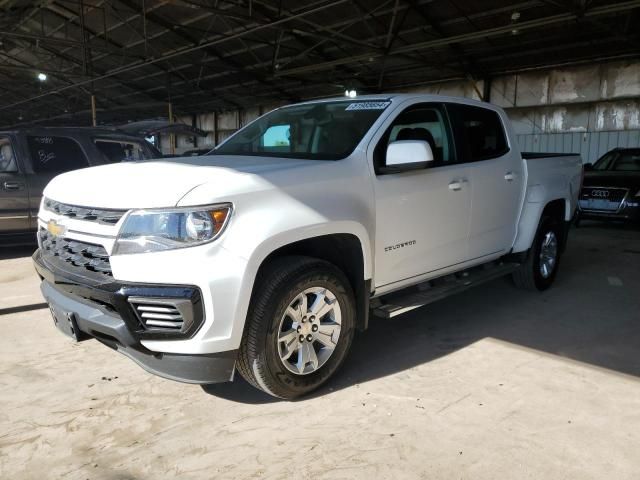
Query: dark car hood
{"type": "Point", "coordinates": [629, 180]}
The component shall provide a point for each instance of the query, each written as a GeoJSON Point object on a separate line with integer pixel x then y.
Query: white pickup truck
{"type": "Point", "coordinates": [266, 255]}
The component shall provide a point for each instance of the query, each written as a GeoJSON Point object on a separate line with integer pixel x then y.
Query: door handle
{"type": "Point", "coordinates": [509, 176]}
{"type": "Point", "coordinates": [13, 185]}
{"type": "Point", "coordinates": [455, 185]}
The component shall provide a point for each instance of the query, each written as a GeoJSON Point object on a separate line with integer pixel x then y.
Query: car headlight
{"type": "Point", "coordinates": [156, 230]}
{"type": "Point", "coordinates": [638, 193]}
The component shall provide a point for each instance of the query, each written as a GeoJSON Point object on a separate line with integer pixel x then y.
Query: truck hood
{"type": "Point", "coordinates": [162, 183]}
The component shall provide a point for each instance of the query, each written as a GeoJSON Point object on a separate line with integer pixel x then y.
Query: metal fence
{"type": "Point", "coordinates": [590, 145]}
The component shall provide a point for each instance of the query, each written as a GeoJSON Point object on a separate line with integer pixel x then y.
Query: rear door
{"type": "Point", "coordinates": [496, 175]}
{"type": "Point", "coordinates": [14, 196]}
{"type": "Point", "coordinates": [50, 155]}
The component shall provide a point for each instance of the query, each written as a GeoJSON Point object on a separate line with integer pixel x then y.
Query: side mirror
{"type": "Point", "coordinates": [588, 167]}
{"type": "Point", "coordinates": [403, 155]}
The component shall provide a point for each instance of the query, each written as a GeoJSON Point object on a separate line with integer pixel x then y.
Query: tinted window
{"type": "Point", "coordinates": [424, 122]}
{"type": "Point", "coordinates": [55, 154]}
{"type": "Point", "coordinates": [479, 132]}
{"type": "Point", "coordinates": [628, 162]}
{"type": "Point", "coordinates": [120, 151]}
{"type": "Point", "coordinates": [315, 131]}
{"type": "Point", "coordinates": [7, 157]}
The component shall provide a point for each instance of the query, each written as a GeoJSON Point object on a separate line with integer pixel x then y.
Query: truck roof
{"type": "Point", "coordinates": [69, 130]}
{"type": "Point", "coordinates": [398, 97]}
{"type": "Point", "coordinates": [63, 129]}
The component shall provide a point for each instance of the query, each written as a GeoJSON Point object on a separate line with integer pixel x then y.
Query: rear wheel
{"type": "Point", "coordinates": [299, 327]}
{"type": "Point", "coordinates": [539, 269]}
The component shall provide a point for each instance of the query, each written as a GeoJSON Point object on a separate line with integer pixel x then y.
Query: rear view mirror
{"type": "Point", "coordinates": [588, 167]}
{"type": "Point", "coordinates": [407, 155]}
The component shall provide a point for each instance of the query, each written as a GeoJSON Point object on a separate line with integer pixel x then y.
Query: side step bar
{"type": "Point", "coordinates": [397, 303]}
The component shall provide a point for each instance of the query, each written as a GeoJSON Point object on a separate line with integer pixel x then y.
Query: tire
{"type": "Point", "coordinates": [531, 274]}
{"type": "Point", "coordinates": [277, 310]}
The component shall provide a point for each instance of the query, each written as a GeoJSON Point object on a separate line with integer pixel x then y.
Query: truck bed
{"type": "Point", "coordinates": [550, 176]}
{"type": "Point", "coordinates": [535, 155]}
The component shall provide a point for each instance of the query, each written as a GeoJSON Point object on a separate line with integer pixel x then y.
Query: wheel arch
{"type": "Point", "coordinates": [557, 208]}
{"type": "Point", "coordinates": [346, 251]}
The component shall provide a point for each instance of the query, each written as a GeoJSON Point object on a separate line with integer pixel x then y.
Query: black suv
{"type": "Point", "coordinates": [30, 158]}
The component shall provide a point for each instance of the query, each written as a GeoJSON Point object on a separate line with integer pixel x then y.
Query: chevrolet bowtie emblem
{"type": "Point", "coordinates": [56, 229]}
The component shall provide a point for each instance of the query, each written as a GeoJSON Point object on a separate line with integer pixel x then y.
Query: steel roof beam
{"type": "Point", "coordinates": [466, 37]}
{"type": "Point", "coordinates": [183, 51]}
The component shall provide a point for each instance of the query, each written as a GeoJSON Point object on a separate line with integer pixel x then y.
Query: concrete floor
{"type": "Point", "coordinates": [493, 383]}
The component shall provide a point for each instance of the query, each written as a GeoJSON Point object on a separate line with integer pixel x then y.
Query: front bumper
{"type": "Point", "coordinates": [101, 311]}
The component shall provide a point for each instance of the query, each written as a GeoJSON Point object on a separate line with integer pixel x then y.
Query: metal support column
{"type": "Point", "coordinates": [93, 110]}
{"type": "Point", "coordinates": [172, 137]}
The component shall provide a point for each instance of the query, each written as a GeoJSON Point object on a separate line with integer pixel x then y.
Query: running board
{"type": "Point", "coordinates": [404, 301]}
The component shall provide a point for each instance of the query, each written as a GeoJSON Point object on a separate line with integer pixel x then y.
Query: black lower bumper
{"type": "Point", "coordinates": [81, 316]}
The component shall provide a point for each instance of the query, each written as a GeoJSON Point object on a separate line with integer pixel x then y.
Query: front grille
{"type": "Point", "coordinates": [602, 198]}
{"type": "Point", "coordinates": [88, 256]}
{"type": "Point", "coordinates": [168, 314]}
{"type": "Point", "coordinates": [108, 217]}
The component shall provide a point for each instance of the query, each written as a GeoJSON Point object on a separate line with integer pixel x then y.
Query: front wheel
{"type": "Point", "coordinates": [539, 269]}
{"type": "Point", "coordinates": [299, 327]}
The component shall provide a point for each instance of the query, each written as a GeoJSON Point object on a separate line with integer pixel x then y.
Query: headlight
{"type": "Point", "coordinates": [155, 230]}
{"type": "Point", "coordinates": [638, 193]}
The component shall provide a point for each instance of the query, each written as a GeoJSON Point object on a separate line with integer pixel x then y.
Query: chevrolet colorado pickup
{"type": "Point", "coordinates": [268, 254]}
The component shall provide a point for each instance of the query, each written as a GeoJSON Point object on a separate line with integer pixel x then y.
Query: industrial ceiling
{"type": "Point", "coordinates": [135, 56]}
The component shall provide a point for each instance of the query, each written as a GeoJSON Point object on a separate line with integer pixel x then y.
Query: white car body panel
{"type": "Point", "coordinates": [280, 201]}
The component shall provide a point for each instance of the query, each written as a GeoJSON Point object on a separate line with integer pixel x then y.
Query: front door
{"type": "Point", "coordinates": [14, 196]}
{"type": "Point", "coordinates": [422, 216]}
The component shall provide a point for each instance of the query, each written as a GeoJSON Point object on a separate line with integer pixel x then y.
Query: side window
{"type": "Point", "coordinates": [426, 122]}
{"type": "Point", "coordinates": [7, 157]}
{"type": "Point", "coordinates": [55, 154]}
{"type": "Point", "coordinates": [479, 132]}
{"type": "Point", "coordinates": [119, 151]}
{"type": "Point", "coordinates": [628, 162]}
{"type": "Point", "coordinates": [277, 136]}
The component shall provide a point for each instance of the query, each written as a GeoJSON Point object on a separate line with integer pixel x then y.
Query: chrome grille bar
{"type": "Point", "coordinates": [108, 217]}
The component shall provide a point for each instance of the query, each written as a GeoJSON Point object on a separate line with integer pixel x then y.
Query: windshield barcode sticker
{"type": "Point", "coordinates": [368, 106]}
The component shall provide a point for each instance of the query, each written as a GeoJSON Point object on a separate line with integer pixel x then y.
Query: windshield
{"type": "Point", "coordinates": [316, 131]}
{"type": "Point", "coordinates": [621, 161]}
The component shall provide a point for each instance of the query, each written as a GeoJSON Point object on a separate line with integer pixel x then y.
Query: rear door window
{"type": "Point", "coordinates": [55, 154]}
{"type": "Point", "coordinates": [479, 132]}
{"type": "Point", "coordinates": [115, 151]}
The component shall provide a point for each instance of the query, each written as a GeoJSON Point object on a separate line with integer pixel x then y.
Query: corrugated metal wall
{"type": "Point", "coordinates": [590, 145]}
